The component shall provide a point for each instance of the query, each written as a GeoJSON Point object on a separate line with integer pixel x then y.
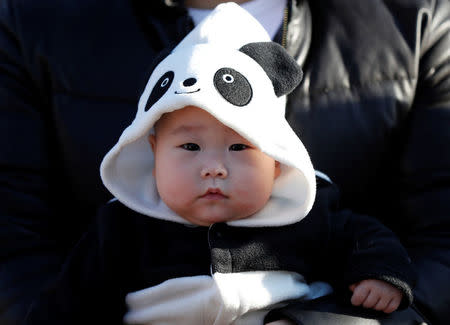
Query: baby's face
{"type": "Point", "coordinates": [206, 172]}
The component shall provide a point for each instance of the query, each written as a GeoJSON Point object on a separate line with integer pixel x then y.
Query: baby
{"type": "Point", "coordinates": [218, 218]}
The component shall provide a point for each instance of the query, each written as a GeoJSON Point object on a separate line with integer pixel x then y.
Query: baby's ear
{"type": "Point", "coordinates": [277, 169]}
{"type": "Point", "coordinates": [280, 67]}
{"type": "Point", "coordinates": [152, 141]}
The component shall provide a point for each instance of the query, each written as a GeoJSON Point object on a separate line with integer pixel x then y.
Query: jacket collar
{"type": "Point", "coordinates": [298, 30]}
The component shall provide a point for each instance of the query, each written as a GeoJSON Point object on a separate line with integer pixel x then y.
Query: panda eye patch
{"type": "Point", "coordinates": [233, 86]}
{"type": "Point", "coordinates": [160, 88]}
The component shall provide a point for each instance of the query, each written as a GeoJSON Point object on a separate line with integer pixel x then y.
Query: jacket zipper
{"type": "Point", "coordinates": [285, 25]}
{"type": "Point", "coordinates": [210, 250]}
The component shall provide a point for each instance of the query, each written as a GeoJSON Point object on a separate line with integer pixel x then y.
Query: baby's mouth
{"type": "Point", "coordinates": [213, 194]}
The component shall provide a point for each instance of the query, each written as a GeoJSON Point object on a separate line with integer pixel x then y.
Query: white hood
{"type": "Point", "coordinates": [228, 42]}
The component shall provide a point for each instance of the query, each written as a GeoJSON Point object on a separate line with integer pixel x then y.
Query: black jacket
{"type": "Point", "coordinates": [125, 251]}
{"type": "Point", "coordinates": [373, 112]}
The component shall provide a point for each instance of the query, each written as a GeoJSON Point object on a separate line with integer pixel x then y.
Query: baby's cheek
{"type": "Point", "coordinates": [249, 201]}
{"type": "Point", "coordinates": [173, 185]}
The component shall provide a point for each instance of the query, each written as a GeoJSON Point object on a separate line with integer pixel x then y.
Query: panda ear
{"type": "Point", "coordinates": [282, 69]}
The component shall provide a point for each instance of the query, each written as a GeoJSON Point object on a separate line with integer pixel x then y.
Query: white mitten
{"type": "Point", "coordinates": [246, 296]}
{"type": "Point", "coordinates": [188, 301]}
{"type": "Point", "coordinates": [224, 299]}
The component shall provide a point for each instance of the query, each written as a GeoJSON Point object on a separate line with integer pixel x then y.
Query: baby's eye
{"type": "Point", "coordinates": [190, 146]}
{"type": "Point", "coordinates": [238, 147]}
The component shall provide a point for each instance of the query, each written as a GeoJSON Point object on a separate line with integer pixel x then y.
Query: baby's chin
{"type": "Point", "coordinates": [211, 218]}
{"type": "Point", "coordinates": [206, 214]}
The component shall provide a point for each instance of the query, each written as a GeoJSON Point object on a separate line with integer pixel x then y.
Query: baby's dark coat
{"type": "Point", "coordinates": [126, 251]}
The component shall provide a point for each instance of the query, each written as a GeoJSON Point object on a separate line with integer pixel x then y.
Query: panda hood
{"type": "Point", "coordinates": [229, 67]}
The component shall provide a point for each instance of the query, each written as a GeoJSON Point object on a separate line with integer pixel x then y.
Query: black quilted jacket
{"type": "Point", "coordinates": [373, 111]}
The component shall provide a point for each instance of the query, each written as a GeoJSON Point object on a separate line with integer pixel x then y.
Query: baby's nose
{"type": "Point", "coordinates": [218, 171]}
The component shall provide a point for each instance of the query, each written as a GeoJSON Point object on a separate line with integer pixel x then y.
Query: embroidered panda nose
{"type": "Point", "coordinates": [189, 82]}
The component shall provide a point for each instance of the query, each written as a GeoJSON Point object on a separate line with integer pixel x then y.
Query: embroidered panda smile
{"type": "Point", "coordinates": [186, 92]}
{"type": "Point", "coordinates": [189, 82]}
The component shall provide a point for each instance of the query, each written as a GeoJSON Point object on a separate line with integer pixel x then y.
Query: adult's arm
{"type": "Point", "coordinates": [425, 207]}
{"type": "Point", "coordinates": [89, 287]}
{"type": "Point", "coordinates": [30, 255]}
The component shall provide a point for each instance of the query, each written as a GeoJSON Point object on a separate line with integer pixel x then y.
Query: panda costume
{"type": "Point", "coordinates": [171, 272]}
